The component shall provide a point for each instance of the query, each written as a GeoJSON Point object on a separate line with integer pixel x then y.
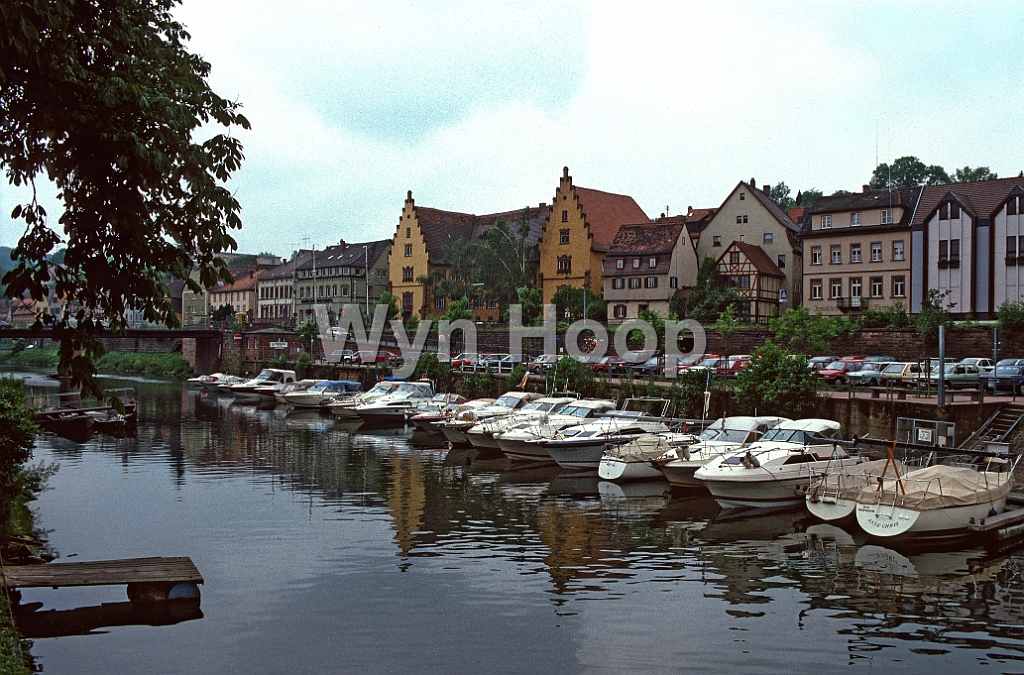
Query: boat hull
{"type": "Point", "coordinates": [483, 440]}
{"type": "Point", "coordinates": [885, 521]}
{"type": "Point", "coordinates": [615, 469]}
{"type": "Point", "coordinates": [455, 435]}
{"type": "Point", "coordinates": [832, 509]}
{"type": "Point", "coordinates": [574, 455]}
{"type": "Point", "coordinates": [769, 492]}
{"type": "Point", "coordinates": [524, 451]}
{"type": "Point", "coordinates": [680, 475]}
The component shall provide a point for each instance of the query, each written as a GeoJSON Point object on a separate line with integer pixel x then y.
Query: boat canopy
{"type": "Point", "coordinates": [939, 487]}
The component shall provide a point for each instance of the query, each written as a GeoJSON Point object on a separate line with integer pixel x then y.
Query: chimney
{"type": "Point", "coordinates": [753, 183]}
{"type": "Point", "coordinates": [767, 190]}
{"type": "Point", "coordinates": [689, 210]}
{"type": "Point", "coordinates": [543, 204]}
{"type": "Point", "coordinates": [866, 188]}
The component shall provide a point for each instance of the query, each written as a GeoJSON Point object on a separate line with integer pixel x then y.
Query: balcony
{"type": "Point", "coordinates": [854, 304]}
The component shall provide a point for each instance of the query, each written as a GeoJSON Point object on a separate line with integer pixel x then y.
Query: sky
{"type": "Point", "coordinates": [477, 106]}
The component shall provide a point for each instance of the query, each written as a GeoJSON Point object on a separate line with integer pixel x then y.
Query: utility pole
{"type": "Point", "coordinates": [366, 278]}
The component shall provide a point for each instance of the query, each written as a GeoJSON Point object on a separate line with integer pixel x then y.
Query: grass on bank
{"type": "Point", "coordinates": [112, 362]}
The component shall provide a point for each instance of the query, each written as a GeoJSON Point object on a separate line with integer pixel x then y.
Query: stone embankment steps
{"type": "Point", "coordinates": [996, 428]}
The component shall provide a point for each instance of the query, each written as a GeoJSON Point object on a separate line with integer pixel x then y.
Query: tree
{"type": "Point", "coordinates": [726, 325]}
{"type": "Point", "coordinates": [455, 279]}
{"type": "Point", "coordinates": [808, 333]}
{"type": "Point", "coordinates": [532, 300]}
{"type": "Point", "coordinates": [1011, 316]}
{"type": "Point", "coordinates": [308, 334]}
{"type": "Point", "coordinates": [934, 313]}
{"type": "Point", "coordinates": [17, 435]}
{"type": "Point", "coordinates": [458, 309]}
{"type": "Point", "coordinates": [223, 313]}
{"type": "Point", "coordinates": [907, 171]}
{"type": "Point", "coordinates": [501, 262]}
{"type": "Point", "coordinates": [778, 382]}
{"type": "Point", "coordinates": [807, 197]}
{"type": "Point", "coordinates": [710, 295]}
{"type": "Point", "coordinates": [780, 195]}
{"type": "Point", "coordinates": [969, 175]}
{"type": "Point", "coordinates": [568, 302]}
{"type": "Point", "coordinates": [104, 100]}
{"type": "Point", "coordinates": [570, 375]}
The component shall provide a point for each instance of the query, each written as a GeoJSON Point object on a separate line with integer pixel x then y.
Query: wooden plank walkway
{"type": "Point", "coordinates": [1004, 519]}
{"type": "Point", "coordinates": [103, 573]}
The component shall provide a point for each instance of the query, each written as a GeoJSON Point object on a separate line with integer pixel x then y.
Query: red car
{"type": "Point", "coordinates": [835, 372]}
{"type": "Point", "coordinates": [732, 366]}
{"type": "Point", "coordinates": [365, 358]}
{"type": "Point", "coordinates": [609, 365]}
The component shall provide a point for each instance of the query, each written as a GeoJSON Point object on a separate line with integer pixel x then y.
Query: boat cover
{"type": "Point", "coordinates": [941, 486]}
{"type": "Point", "coordinates": [847, 480]}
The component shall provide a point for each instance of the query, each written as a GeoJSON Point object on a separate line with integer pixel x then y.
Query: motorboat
{"type": "Point", "coordinates": [321, 392]}
{"type": "Point", "coordinates": [633, 460]}
{"type": "Point", "coordinates": [833, 497]}
{"type": "Point", "coordinates": [394, 408]}
{"type": "Point", "coordinates": [582, 446]}
{"type": "Point", "coordinates": [482, 435]}
{"type": "Point", "coordinates": [455, 428]}
{"type": "Point", "coordinates": [342, 409]}
{"type": "Point", "coordinates": [272, 378]}
{"type": "Point", "coordinates": [723, 436]}
{"type": "Point", "coordinates": [779, 467]}
{"type": "Point", "coordinates": [520, 442]}
{"type": "Point", "coordinates": [434, 412]}
{"type": "Point", "coordinates": [935, 501]}
{"type": "Point", "coordinates": [208, 382]}
{"type": "Point", "coordinates": [219, 383]}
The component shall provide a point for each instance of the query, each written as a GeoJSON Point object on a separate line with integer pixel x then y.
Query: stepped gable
{"type": "Point", "coordinates": [643, 238]}
{"type": "Point", "coordinates": [981, 198]}
{"type": "Point", "coordinates": [759, 259]}
{"type": "Point", "coordinates": [606, 212]}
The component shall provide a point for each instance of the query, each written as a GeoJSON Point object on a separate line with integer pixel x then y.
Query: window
{"type": "Point", "coordinates": [408, 233]}
{"type": "Point", "coordinates": [1013, 207]}
{"type": "Point", "coordinates": [743, 195]}
{"type": "Point", "coordinates": [651, 282]}
{"type": "Point", "coordinates": [954, 250]}
{"type": "Point", "coordinates": [943, 250]}
{"type": "Point", "coordinates": [636, 263]}
{"type": "Point", "coordinates": [739, 219]}
{"type": "Point", "coordinates": [954, 211]}
{"type": "Point", "coordinates": [876, 287]}
{"type": "Point", "coordinates": [406, 274]}
{"type": "Point", "coordinates": [565, 216]}
{"type": "Point", "coordinates": [767, 237]}
{"type": "Point", "coordinates": [492, 304]}
{"type": "Point", "coordinates": [734, 258]}
{"type": "Point", "coordinates": [634, 282]}
{"type": "Point", "coordinates": [876, 251]}
{"type": "Point", "coordinates": [815, 255]}
{"type": "Point", "coordinates": [407, 301]}
{"type": "Point", "coordinates": [897, 250]}
{"type": "Point", "coordinates": [344, 291]}
{"type": "Point", "coordinates": [886, 216]}
{"type": "Point", "coordinates": [855, 253]}
{"type": "Point", "coordinates": [563, 236]}
{"type": "Point", "coordinates": [854, 220]}
{"type": "Point", "coordinates": [899, 287]}
{"type": "Point", "coordinates": [944, 212]}
{"type": "Point", "coordinates": [836, 289]}
{"type": "Point", "coordinates": [618, 282]}
{"type": "Point", "coordinates": [345, 271]}
{"type": "Point", "coordinates": [744, 219]}
{"type": "Point", "coordinates": [620, 263]}
{"type": "Point", "coordinates": [620, 311]}
{"type": "Point", "coordinates": [816, 289]}
{"type": "Point", "coordinates": [652, 263]}
{"type": "Point", "coordinates": [565, 264]}
{"type": "Point", "coordinates": [673, 282]}
{"type": "Point", "coordinates": [1011, 247]}
{"type": "Point", "coordinates": [855, 287]}
{"type": "Point", "coordinates": [837, 254]}
{"type": "Point", "coordinates": [826, 222]}
{"type": "Point", "coordinates": [716, 241]}
{"type": "Point", "coordinates": [782, 262]}
{"type": "Point", "coordinates": [408, 250]}
{"type": "Point", "coordinates": [439, 303]}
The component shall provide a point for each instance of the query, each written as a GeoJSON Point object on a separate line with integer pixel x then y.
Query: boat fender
{"type": "Point", "coordinates": [992, 512]}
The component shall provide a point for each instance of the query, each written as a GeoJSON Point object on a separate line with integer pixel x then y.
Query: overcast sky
{"type": "Point", "coordinates": [477, 106]}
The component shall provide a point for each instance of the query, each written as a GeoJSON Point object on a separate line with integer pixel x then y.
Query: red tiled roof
{"type": "Point", "coordinates": [796, 213]}
{"type": "Point", "coordinates": [982, 198]}
{"type": "Point", "coordinates": [245, 282]}
{"type": "Point", "coordinates": [647, 238]}
{"type": "Point", "coordinates": [606, 212]}
{"type": "Point", "coordinates": [441, 228]}
{"type": "Point", "coordinates": [758, 258]}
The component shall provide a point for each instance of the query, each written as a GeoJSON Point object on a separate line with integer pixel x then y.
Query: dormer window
{"type": "Point", "coordinates": [886, 216]}
{"type": "Point", "coordinates": [653, 262]}
{"type": "Point", "coordinates": [826, 222]}
{"type": "Point", "coordinates": [620, 263]}
{"type": "Point", "coordinates": [636, 263]}
{"type": "Point", "coordinates": [854, 220]}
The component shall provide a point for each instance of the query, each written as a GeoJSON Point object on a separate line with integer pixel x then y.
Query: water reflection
{"type": "Point", "coordinates": [496, 542]}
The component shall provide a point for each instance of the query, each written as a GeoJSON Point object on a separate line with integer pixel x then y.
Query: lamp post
{"type": "Point", "coordinates": [366, 278]}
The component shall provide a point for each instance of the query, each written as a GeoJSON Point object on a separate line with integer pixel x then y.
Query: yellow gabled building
{"type": "Point", "coordinates": [579, 230]}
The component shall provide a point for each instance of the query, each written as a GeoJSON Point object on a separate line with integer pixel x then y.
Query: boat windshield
{"type": "Point", "coordinates": [381, 388]}
{"type": "Point", "coordinates": [576, 410]}
{"type": "Point", "coordinates": [507, 402]}
{"type": "Point", "coordinates": [724, 435]}
{"type": "Point", "coordinates": [799, 436]}
{"type": "Point", "coordinates": [265, 375]}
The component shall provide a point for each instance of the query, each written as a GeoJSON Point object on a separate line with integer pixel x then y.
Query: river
{"type": "Point", "coordinates": [327, 550]}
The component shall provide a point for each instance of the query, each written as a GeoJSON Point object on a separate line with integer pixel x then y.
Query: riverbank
{"type": "Point", "coordinates": [169, 364]}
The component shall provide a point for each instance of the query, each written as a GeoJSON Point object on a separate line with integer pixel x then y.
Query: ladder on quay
{"type": "Point", "coordinates": [999, 428]}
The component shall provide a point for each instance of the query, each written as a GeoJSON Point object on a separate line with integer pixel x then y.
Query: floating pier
{"type": "Point", "coordinates": [148, 579]}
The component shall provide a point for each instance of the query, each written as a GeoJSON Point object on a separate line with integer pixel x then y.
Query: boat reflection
{"type": "Point", "coordinates": [36, 624]}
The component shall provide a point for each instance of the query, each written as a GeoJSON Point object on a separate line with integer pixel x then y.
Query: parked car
{"type": "Point", "coordinates": [609, 365]}
{"type": "Point", "coordinates": [956, 376]}
{"type": "Point", "coordinates": [508, 363]}
{"type": "Point", "coordinates": [836, 372]}
{"type": "Point", "coordinates": [366, 358]}
{"type": "Point", "coordinates": [464, 361]}
{"type": "Point", "coordinates": [984, 365]}
{"type": "Point", "coordinates": [902, 373]}
{"type": "Point", "coordinates": [343, 355]}
{"type": "Point", "coordinates": [731, 367]}
{"type": "Point", "coordinates": [819, 362]}
{"type": "Point", "coordinates": [710, 362]}
{"type": "Point", "coordinates": [491, 361]}
{"type": "Point", "coordinates": [542, 363]}
{"type": "Point", "coordinates": [652, 366]}
{"type": "Point", "coordinates": [880, 359]}
{"type": "Point", "coordinates": [1003, 378]}
{"type": "Point", "coordinates": [870, 375]}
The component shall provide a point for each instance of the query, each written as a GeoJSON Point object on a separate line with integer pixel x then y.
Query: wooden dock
{"type": "Point", "coordinates": [131, 571]}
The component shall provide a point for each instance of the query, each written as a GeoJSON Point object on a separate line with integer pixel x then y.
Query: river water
{"type": "Point", "coordinates": [328, 550]}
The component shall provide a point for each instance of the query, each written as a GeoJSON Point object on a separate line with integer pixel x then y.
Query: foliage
{"type": "Point", "coordinates": [969, 175]}
{"type": "Point", "coordinates": [412, 324]}
{"type": "Point", "coordinates": [1011, 316]}
{"type": "Point", "coordinates": [308, 332]}
{"type": "Point", "coordinates": [907, 171]}
{"type": "Point", "coordinates": [169, 364]}
{"type": "Point", "coordinates": [893, 316]}
{"type": "Point", "coordinates": [104, 101]}
{"type": "Point", "coordinates": [934, 313]}
{"type": "Point", "coordinates": [570, 300]}
{"type": "Point", "coordinates": [458, 309]}
{"type": "Point", "coordinates": [636, 336]}
{"type": "Point", "coordinates": [779, 194]}
{"type": "Point", "coordinates": [677, 303]}
{"type": "Point", "coordinates": [280, 361]}
{"type": "Point", "coordinates": [479, 385]}
{"type": "Point", "coordinates": [437, 371]}
{"type": "Point", "coordinates": [38, 358]}
{"type": "Point", "coordinates": [727, 324]}
{"type": "Point", "coordinates": [455, 280]}
{"type": "Point", "coordinates": [804, 332]}
{"type": "Point", "coordinates": [515, 377]}
{"type": "Point", "coordinates": [223, 313]}
{"type": "Point", "coordinates": [15, 658]}
{"type": "Point", "coordinates": [386, 298]}
{"type": "Point", "coordinates": [571, 375]}
{"type": "Point", "coordinates": [17, 436]}
{"type": "Point", "coordinates": [778, 382]}
{"type": "Point", "coordinates": [501, 261]}
{"type": "Point", "coordinates": [532, 300]}
{"type": "Point", "coordinates": [304, 365]}
{"type": "Point", "coordinates": [235, 326]}
{"type": "Point", "coordinates": [687, 393]}
{"type": "Point", "coordinates": [710, 295]}
{"type": "Point", "coordinates": [807, 197]}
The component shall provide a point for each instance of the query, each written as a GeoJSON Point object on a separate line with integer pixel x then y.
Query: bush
{"type": "Point", "coordinates": [1011, 316]}
{"type": "Point", "coordinates": [479, 385]}
{"type": "Point", "coordinates": [894, 316]}
{"type": "Point", "coordinates": [304, 365]}
{"type": "Point", "coordinates": [571, 375]}
{"type": "Point", "coordinates": [934, 313]}
{"type": "Point", "coordinates": [515, 377]}
{"type": "Point", "coordinates": [778, 382]}
{"type": "Point", "coordinates": [804, 332]}
{"type": "Point", "coordinates": [280, 361]}
{"type": "Point", "coordinates": [435, 370]}
{"type": "Point", "coordinates": [687, 393]}
{"type": "Point", "coordinates": [170, 364]}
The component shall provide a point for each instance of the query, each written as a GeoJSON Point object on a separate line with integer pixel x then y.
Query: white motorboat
{"type": "Point", "coordinates": [776, 469]}
{"type": "Point", "coordinates": [936, 501]}
{"type": "Point", "coordinates": [429, 416]}
{"type": "Point", "coordinates": [723, 436]}
{"type": "Point", "coordinates": [482, 435]}
{"type": "Point", "coordinates": [269, 378]}
{"type": "Point", "coordinates": [455, 428]}
{"type": "Point", "coordinates": [394, 408]}
{"type": "Point", "coordinates": [521, 441]}
{"type": "Point", "coordinates": [218, 383]}
{"type": "Point", "coordinates": [582, 446]}
{"type": "Point", "coordinates": [320, 392]}
{"type": "Point", "coordinates": [632, 460]}
{"type": "Point", "coordinates": [342, 409]}
{"type": "Point", "coordinates": [833, 497]}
